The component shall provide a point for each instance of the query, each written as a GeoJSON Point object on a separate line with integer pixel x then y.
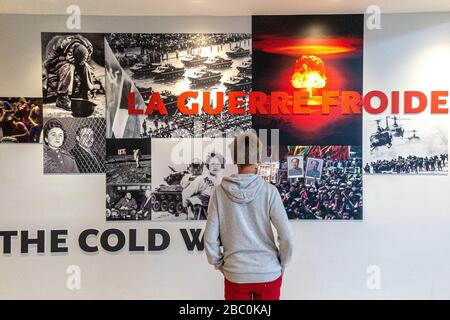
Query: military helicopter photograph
{"type": "Point", "coordinates": [406, 144]}
{"type": "Point", "coordinates": [382, 137]}
{"type": "Point", "coordinates": [397, 130]}
{"type": "Point", "coordinates": [413, 137]}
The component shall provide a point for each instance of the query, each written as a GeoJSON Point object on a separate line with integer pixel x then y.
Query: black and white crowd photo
{"type": "Point", "coordinates": [20, 120]}
{"type": "Point", "coordinates": [415, 144]}
{"type": "Point", "coordinates": [184, 173]}
{"type": "Point", "coordinates": [128, 161]}
{"type": "Point", "coordinates": [74, 145]}
{"type": "Point", "coordinates": [171, 64]}
{"type": "Point", "coordinates": [331, 188]}
{"type": "Point", "coordinates": [73, 75]}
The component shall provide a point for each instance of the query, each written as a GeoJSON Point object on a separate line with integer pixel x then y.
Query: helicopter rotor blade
{"type": "Point", "coordinates": [397, 118]}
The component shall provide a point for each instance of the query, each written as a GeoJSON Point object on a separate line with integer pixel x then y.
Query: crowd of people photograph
{"type": "Point", "coordinates": [409, 165]}
{"type": "Point", "coordinates": [20, 119]}
{"type": "Point", "coordinates": [337, 195]}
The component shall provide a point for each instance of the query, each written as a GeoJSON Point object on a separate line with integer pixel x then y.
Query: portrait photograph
{"type": "Point", "coordinates": [74, 145]}
{"type": "Point", "coordinates": [295, 167]}
{"type": "Point", "coordinates": [314, 168]}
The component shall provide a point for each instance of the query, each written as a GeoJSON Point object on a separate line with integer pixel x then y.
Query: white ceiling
{"type": "Point", "coordinates": [217, 7]}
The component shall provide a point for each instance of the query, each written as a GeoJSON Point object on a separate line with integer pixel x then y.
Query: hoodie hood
{"type": "Point", "coordinates": [242, 188]}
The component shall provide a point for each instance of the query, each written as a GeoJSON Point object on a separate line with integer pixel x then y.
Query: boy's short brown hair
{"type": "Point", "coordinates": [246, 149]}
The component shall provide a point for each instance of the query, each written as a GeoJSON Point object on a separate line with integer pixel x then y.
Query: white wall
{"type": "Point", "coordinates": [405, 231]}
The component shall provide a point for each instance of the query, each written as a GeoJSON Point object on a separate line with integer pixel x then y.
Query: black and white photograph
{"type": "Point", "coordinates": [74, 145]}
{"type": "Point", "coordinates": [184, 173]}
{"type": "Point", "coordinates": [73, 74]}
{"type": "Point", "coordinates": [128, 202]}
{"type": "Point", "coordinates": [268, 171]}
{"type": "Point", "coordinates": [170, 64]}
{"type": "Point", "coordinates": [20, 120]}
{"type": "Point", "coordinates": [409, 145]}
{"type": "Point", "coordinates": [295, 167]}
{"type": "Point", "coordinates": [264, 172]}
{"type": "Point", "coordinates": [128, 161]}
{"type": "Point", "coordinates": [337, 195]}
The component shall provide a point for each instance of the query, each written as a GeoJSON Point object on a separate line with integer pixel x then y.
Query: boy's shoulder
{"type": "Point", "coordinates": [269, 188]}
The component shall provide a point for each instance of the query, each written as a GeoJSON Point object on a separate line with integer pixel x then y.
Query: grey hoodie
{"type": "Point", "coordinates": [240, 212]}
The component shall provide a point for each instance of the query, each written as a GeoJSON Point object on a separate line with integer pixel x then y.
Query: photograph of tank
{"type": "Point", "coordinates": [73, 74]}
{"type": "Point", "coordinates": [411, 145]}
{"type": "Point", "coordinates": [184, 173]}
{"type": "Point", "coordinates": [170, 64]}
{"type": "Point", "coordinates": [20, 120]}
{"type": "Point", "coordinates": [128, 161]}
{"type": "Point", "coordinates": [128, 202]}
{"type": "Point", "coordinates": [331, 188]}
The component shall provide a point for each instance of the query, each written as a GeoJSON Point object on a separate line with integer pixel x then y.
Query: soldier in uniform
{"type": "Point", "coordinates": [56, 159]}
{"type": "Point", "coordinates": [66, 71]}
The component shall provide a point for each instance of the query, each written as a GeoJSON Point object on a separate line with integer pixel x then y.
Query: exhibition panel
{"type": "Point", "coordinates": [144, 111]}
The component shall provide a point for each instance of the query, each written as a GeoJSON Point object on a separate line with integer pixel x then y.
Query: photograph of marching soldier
{"type": "Point", "coordinates": [20, 120]}
{"type": "Point", "coordinates": [184, 173]}
{"type": "Point", "coordinates": [331, 188]}
{"type": "Point", "coordinates": [74, 145]}
{"type": "Point", "coordinates": [128, 202]}
{"type": "Point", "coordinates": [73, 74]}
{"type": "Point", "coordinates": [170, 64]}
{"type": "Point", "coordinates": [413, 144]}
{"type": "Point", "coordinates": [128, 161]}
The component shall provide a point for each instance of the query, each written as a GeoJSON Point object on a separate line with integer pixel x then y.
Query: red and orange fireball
{"type": "Point", "coordinates": [309, 73]}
